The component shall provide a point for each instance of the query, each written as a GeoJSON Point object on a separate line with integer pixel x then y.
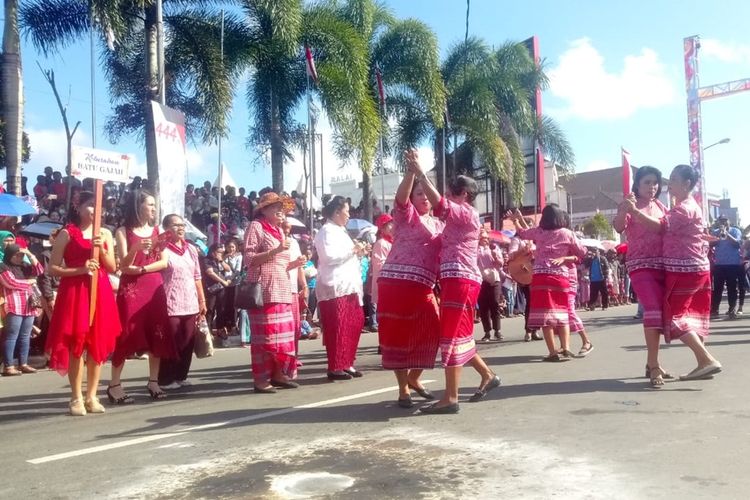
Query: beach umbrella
{"type": "Point", "coordinates": [13, 206]}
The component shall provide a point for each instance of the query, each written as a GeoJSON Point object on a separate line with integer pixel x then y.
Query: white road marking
{"type": "Point", "coordinates": [216, 425]}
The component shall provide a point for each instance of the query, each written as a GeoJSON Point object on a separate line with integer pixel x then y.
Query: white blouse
{"type": "Point", "coordinates": [339, 271]}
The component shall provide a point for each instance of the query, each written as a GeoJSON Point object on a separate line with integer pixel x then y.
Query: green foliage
{"type": "Point", "coordinates": [598, 227]}
{"type": "Point", "coordinates": [25, 146]}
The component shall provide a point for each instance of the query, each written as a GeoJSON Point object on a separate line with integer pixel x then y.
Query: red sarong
{"type": "Point", "coordinates": [342, 320]}
{"type": "Point", "coordinates": [649, 288]}
{"type": "Point", "coordinates": [458, 298]}
{"type": "Point", "coordinates": [549, 301]}
{"type": "Point", "coordinates": [408, 325]}
{"type": "Point", "coordinates": [687, 304]}
{"type": "Point", "coordinates": [272, 343]}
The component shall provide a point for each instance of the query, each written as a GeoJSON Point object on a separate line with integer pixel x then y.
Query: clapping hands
{"type": "Point", "coordinates": [412, 163]}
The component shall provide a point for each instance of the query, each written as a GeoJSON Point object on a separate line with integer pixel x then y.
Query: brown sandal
{"type": "Point", "coordinates": [657, 377]}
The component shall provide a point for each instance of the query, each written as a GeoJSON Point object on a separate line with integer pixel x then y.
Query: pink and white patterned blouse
{"type": "Point", "coordinates": [415, 252]}
{"type": "Point", "coordinates": [684, 250]}
{"type": "Point", "coordinates": [458, 256]}
{"type": "Point", "coordinates": [490, 262]}
{"type": "Point", "coordinates": [378, 256]}
{"type": "Point", "coordinates": [179, 282]}
{"type": "Point", "coordinates": [272, 274]}
{"type": "Point", "coordinates": [552, 244]}
{"type": "Point", "coordinates": [644, 245]}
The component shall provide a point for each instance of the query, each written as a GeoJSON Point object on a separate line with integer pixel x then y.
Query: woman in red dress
{"type": "Point", "coordinates": [408, 317]}
{"type": "Point", "coordinates": [70, 332]}
{"type": "Point", "coordinates": [140, 298]}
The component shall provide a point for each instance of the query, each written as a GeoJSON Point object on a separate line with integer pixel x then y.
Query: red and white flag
{"type": "Point", "coordinates": [311, 71]}
{"type": "Point", "coordinates": [626, 170]}
{"type": "Point", "coordinates": [381, 89]}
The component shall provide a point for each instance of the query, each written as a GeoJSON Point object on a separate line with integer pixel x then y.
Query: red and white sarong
{"type": "Point", "coordinates": [549, 301]}
{"type": "Point", "coordinates": [649, 288]}
{"type": "Point", "coordinates": [687, 304]}
{"type": "Point", "coordinates": [342, 320]}
{"type": "Point", "coordinates": [272, 344]}
{"type": "Point", "coordinates": [458, 298]}
{"type": "Point", "coordinates": [408, 324]}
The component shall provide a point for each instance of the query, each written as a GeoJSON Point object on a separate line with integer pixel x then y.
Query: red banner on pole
{"type": "Point", "coordinates": [311, 71]}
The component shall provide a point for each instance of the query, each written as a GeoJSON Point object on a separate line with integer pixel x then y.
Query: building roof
{"type": "Point", "coordinates": [597, 190]}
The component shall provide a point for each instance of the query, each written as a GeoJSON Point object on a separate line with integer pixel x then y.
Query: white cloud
{"type": "Point", "coordinates": [49, 147]}
{"type": "Point", "coordinates": [592, 92]}
{"type": "Point", "coordinates": [728, 52]}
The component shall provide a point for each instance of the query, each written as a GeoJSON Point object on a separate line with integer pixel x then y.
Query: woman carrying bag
{"type": "Point", "coordinates": [267, 296]}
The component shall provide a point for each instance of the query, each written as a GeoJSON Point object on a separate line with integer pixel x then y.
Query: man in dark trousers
{"type": "Point", "coordinates": [727, 266]}
{"type": "Point", "coordinates": [598, 270]}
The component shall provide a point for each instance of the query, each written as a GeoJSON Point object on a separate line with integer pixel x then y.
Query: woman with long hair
{"type": "Point", "coordinates": [140, 297]}
{"type": "Point", "coordinates": [409, 321]}
{"type": "Point", "coordinates": [687, 302]}
{"type": "Point", "coordinates": [17, 280]}
{"type": "Point", "coordinates": [339, 290]}
{"type": "Point", "coordinates": [645, 264]}
{"type": "Point", "coordinates": [459, 286]}
{"type": "Point", "coordinates": [186, 304]}
{"type": "Point", "coordinates": [71, 332]}
{"type": "Point", "coordinates": [272, 344]}
{"type": "Point", "coordinates": [550, 285]}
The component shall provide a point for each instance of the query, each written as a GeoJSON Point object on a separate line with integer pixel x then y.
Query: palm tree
{"type": "Point", "coordinates": [12, 97]}
{"type": "Point", "coordinates": [277, 32]}
{"type": "Point", "coordinates": [196, 81]}
{"type": "Point", "coordinates": [489, 99]}
{"type": "Point", "coordinates": [406, 53]}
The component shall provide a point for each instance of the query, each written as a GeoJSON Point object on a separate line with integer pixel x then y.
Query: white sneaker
{"type": "Point", "coordinates": [172, 386]}
{"type": "Point", "coordinates": [184, 383]}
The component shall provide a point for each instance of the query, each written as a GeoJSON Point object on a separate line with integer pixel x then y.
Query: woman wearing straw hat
{"type": "Point", "coordinates": [272, 345]}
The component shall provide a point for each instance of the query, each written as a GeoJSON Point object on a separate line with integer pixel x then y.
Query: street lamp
{"type": "Point", "coordinates": [723, 141]}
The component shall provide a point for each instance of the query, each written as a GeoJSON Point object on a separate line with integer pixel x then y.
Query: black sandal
{"type": "Point", "coordinates": [423, 392]}
{"type": "Point", "coordinates": [554, 358]}
{"type": "Point", "coordinates": [156, 394]}
{"type": "Point", "coordinates": [124, 400]}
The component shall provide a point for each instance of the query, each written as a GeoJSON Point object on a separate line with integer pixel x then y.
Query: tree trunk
{"type": "Point", "coordinates": [152, 84]}
{"type": "Point", "coordinates": [440, 159]}
{"type": "Point", "coordinates": [277, 146]}
{"type": "Point", "coordinates": [366, 196]}
{"type": "Point", "coordinates": [12, 97]}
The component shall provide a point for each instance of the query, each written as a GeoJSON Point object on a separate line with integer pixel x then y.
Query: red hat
{"type": "Point", "coordinates": [383, 220]}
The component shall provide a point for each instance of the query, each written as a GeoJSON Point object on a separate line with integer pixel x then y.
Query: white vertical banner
{"type": "Point", "coordinates": [171, 144]}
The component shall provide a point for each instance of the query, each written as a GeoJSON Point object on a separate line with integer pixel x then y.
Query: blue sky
{"type": "Point", "coordinates": [616, 73]}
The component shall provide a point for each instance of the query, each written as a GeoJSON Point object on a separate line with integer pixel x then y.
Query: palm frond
{"type": "Point", "coordinates": [555, 145]}
{"type": "Point", "coordinates": [408, 55]}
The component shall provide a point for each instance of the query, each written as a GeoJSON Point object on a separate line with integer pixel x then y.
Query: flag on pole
{"type": "Point", "coordinates": [311, 71]}
{"type": "Point", "coordinates": [381, 89]}
{"type": "Point", "coordinates": [626, 182]}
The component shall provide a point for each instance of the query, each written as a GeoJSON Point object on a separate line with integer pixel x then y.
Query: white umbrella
{"type": "Point", "coordinates": [590, 242]}
{"type": "Point", "coordinates": [295, 222]}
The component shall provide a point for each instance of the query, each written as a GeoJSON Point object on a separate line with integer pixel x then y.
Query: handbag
{"type": "Point", "coordinates": [204, 343]}
{"type": "Point", "coordinates": [248, 295]}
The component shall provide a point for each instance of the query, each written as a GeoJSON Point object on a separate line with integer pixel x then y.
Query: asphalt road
{"type": "Point", "coordinates": [588, 428]}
